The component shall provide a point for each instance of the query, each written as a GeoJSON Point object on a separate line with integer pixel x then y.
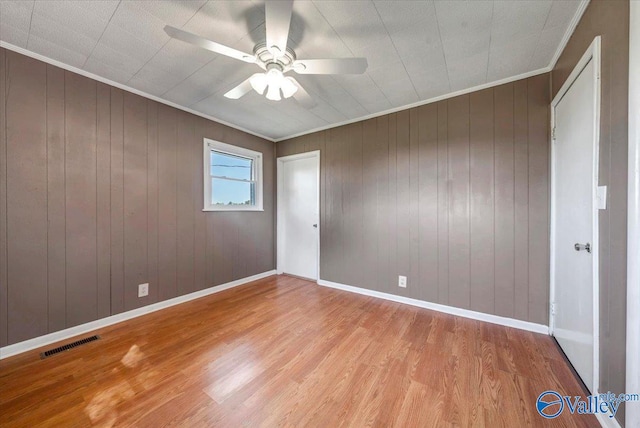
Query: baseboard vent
{"type": "Point", "coordinates": [68, 346]}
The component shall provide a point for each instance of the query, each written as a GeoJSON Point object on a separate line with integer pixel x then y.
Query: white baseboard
{"type": "Point", "coordinates": [606, 421]}
{"type": "Point", "coordinates": [466, 313]}
{"type": "Point", "coordinates": [36, 342]}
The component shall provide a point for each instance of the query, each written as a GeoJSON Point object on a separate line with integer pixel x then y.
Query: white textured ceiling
{"type": "Point", "coordinates": [417, 50]}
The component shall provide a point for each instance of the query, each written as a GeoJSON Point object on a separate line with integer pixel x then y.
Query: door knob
{"type": "Point", "coordinates": [580, 247]}
{"type": "Point", "coordinates": [315, 225]}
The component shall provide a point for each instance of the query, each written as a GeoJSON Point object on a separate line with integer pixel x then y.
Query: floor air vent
{"type": "Point", "coordinates": [68, 346]}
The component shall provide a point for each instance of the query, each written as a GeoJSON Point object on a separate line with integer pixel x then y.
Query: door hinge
{"type": "Point", "coordinates": [553, 134]}
{"type": "Point", "coordinates": [552, 308]}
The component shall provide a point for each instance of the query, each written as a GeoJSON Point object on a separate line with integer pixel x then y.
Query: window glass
{"type": "Point", "coordinates": [229, 166]}
{"type": "Point", "coordinates": [229, 192]}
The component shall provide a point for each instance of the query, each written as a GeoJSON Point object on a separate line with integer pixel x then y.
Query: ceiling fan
{"type": "Point", "coordinates": [275, 58]}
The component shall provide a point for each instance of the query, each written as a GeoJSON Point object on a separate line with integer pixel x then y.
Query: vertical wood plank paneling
{"type": "Point", "coordinates": [135, 199]}
{"type": "Point", "coordinates": [342, 159]}
{"type": "Point", "coordinates": [521, 201]}
{"type": "Point", "coordinates": [184, 204]}
{"type": "Point", "coordinates": [167, 198]}
{"type": "Point", "coordinates": [88, 195]}
{"type": "Point", "coordinates": [329, 212]}
{"type": "Point", "coordinates": [428, 201]}
{"type": "Point", "coordinates": [382, 206]}
{"type": "Point", "coordinates": [458, 138]}
{"type": "Point", "coordinates": [614, 96]}
{"type": "Point", "coordinates": [26, 197]}
{"type": "Point", "coordinates": [391, 283]}
{"type": "Point", "coordinates": [103, 191]}
{"type": "Point", "coordinates": [352, 203]}
{"type": "Point", "coordinates": [81, 198]}
{"type": "Point", "coordinates": [482, 200]}
{"type": "Point", "coordinates": [334, 205]}
{"type": "Point", "coordinates": [312, 143]}
{"type": "Point", "coordinates": [443, 203]}
{"type": "Point", "coordinates": [4, 309]}
{"type": "Point", "coordinates": [451, 206]}
{"type": "Point", "coordinates": [210, 249]}
{"type": "Point", "coordinates": [117, 201]}
{"type": "Point", "coordinates": [222, 255]}
{"type": "Point", "coordinates": [403, 199]}
{"type": "Point", "coordinates": [369, 202]}
{"type": "Point", "coordinates": [538, 113]}
{"type": "Point", "coordinates": [233, 243]}
{"type": "Point", "coordinates": [56, 215]}
{"type": "Point", "coordinates": [356, 167]}
{"type": "Point", "coordinates": [230, 243]}
{"type": "Point", "coordinates": [339, 221]}
{"type": "Point", "coordinates": [504, 203]}
{"type": "Point", "coordinates": [321, 137]}
{"type": "Point", "coordinates": [606, 225]}
{"type": "Point", "coordinates": [267, 246]}
{"type": "Point", "coordinates": [413, 239]}
{"type": "Point", "coordinates": [199, 243]}
{"type": "Point", "coordinates": [244, 249]}
{"type": "Point", "coordinates": [209, 227]}
{"type": "Point", "coordinates": [152, 200]}
{"type": "Point", "coordinates": [289, 147]}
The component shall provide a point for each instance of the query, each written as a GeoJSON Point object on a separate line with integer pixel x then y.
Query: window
{"type": "Point", "coordinates": [232, 178]}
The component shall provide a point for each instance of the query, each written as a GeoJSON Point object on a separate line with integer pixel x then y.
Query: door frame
{"type": "Point", "coordinates": [592, 54]}
{"type": "Point", "coordinates": [280, 259]}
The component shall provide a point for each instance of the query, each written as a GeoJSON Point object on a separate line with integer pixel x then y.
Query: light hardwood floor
{"type": "Point", "coordinates": [285, 352]}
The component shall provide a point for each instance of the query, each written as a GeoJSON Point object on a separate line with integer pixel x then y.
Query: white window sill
{"type": "Point", "coordinates": [232, 209]}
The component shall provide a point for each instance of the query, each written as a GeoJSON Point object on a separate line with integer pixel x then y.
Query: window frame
{"type": "Point", "coordinates": [231, 150]}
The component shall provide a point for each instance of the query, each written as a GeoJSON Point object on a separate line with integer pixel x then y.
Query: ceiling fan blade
{"type": "Point", "coordinates": [185, 36]}
{"type": "Point", "coordinates": [303, 96]}
{"type": "Point", "coordinates": [240, 90]}
{"type": "Point", "coordinates": [277, 22]}
{"type": "Point", "coordinates": [331, 66]}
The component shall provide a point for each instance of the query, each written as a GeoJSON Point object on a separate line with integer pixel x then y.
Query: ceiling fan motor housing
{"type": "Point", "coordinates": [284, 61]}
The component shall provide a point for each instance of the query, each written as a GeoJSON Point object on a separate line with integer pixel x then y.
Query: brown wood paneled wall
{"type": "Point", "coordinates": [101, 190]}
{"type": "Point", "coordinates": [610, 20]}
{"type": "Point", "coordinates": [454, 195]}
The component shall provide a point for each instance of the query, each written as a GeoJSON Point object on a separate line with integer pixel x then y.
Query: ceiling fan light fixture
{"type": "Point", "coordinates": [273, 93]}
{"type": "Point", "coordinates": [288, 87]}
{"type": "Point", "coordinates": [259, 82]}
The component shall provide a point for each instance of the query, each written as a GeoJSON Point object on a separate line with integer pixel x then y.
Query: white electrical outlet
{"type": "Point", "coordinates": [143, 290]}
{"type": "Point", "coordinates": [402, 281]}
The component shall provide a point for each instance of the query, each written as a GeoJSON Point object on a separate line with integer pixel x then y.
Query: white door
{"type": "Point", "coordinates": [573, 190]}
{"type": "Point", "coordinates": [298, 216]}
